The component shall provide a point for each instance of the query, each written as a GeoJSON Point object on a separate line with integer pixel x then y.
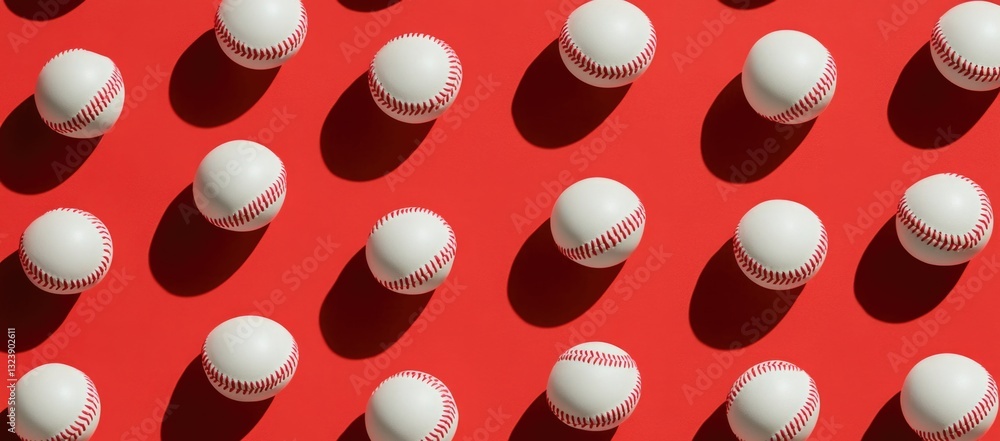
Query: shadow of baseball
{"type": "Point", "coordinates": [738, 145]}
{"type": "Point", "coordinates": [41, 11]}
{"type": "Point", "coordinates": [35, 159]}
{"type": "Point", "coordinates": [34, 313]}
{"type": "Point", "coordinates": [730, 311]}
{"type": "Point", "coordinates": [546, 289]}
{"type": "Point", "coordinates": [716, 427]}
{"type": "Point", "coordinates": [746, 4]}
{"type": "Point", "coordinates": [198, 411]}
{"type": "Point", "coordinates": [367, 5]}
{"type": "Point", "coordinates": [539, 423]}
{"type": "Point", "coordinates": [360, 318]}
{"type": "Point", "coordinates": [928, 111]}
{"type": "Point", "coordinates": [356, 431]}
{"type": "Point", "coordinates": [890, 424]}
{"type": "Point", "coordinates": [552, 108]}
{"type": "Point", "coordinates": [359, 142]}
{"type": "Point", "coordinates": [887, 270]}
{"type": "Point", "coordinates": [207, 89]}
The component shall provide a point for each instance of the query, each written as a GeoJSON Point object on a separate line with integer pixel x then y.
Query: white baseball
{"type": "Point", "coordinates": [964, 45]}
{"type": "Point", "coordinates": [249, 358]}
{"type": "Point", "coordinates": [415, 77]}
{"type": "Point", "coordinates": [56, 402]}
{"type": "Point", "coordinates": [80, 93]}
{"type": "Point", "coordinates": [789, 77]}
{"type": "Point", "coordinates": [949, 397]}
{"type": "Point", "coordinates": [66, 251]}
{"type": "Point", "coordinates": [607, 43]}
{"type": "Point", "coordinates": [773, 400]}
{"type": "Point", "coordinates": [260, 34]}
{"type": "Point", "coordinates": [411, 405]}
{"type": "Point", "coordinates": [780, 244]}
{"type": "Point", "coordinates": [411, 250]}
{"type": "Point", "coordinates": [597, 222]}
{"type": "Point", "coordinates": [240, 186]}
{"type": "Point", "coordinates": [944, 219]}
{"type": "Point", "coordinates": [594, 386]}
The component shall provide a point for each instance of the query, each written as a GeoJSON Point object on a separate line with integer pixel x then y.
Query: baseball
{"type": "Point", "coordinates": [773, 400]}
{"type": "Point", "coordinates": [80, 93]}
{"type": "Point", "coordinates": [415, 77]}
{"type": "Point", "coordinates": [963, 45]}
{"type": "Point", "coordinates": [789, 77]}
{"type": "Point", "coordinates": [66, 251]}
{"type": "Point", "coordinates": [56, 402]}
{"type": "Point", "coordinates": [411, 405]}
{"type": "Point", "coordinates": [780, 244]}
{"type": "Point", "coordinates": [249, 358]}
{"type": "Point", "coordinates": [944, 219]}
{"type": "Point", "coordinates": [607, 43]}
{"type": "Point", "coordinates": [260, 34]}
{"type": "Point", "coordinates": [948, 396]}
{"type": "Point", "coordinates": [594, 386]}
{"type": "Point", "coordinates": [597, 222]}
{"type": "Point", "coordinates": [240, 186]}
{"type": "Point", "coordinates": [410, 250]}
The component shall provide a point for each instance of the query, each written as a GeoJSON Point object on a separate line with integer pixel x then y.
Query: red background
{"type": "Point", "coordinates": [681, 128]}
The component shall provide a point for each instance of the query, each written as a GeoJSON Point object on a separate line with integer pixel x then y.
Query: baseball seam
{"type": "Point", "coordinates": [428, 270]}
{"type": "Point", "coordinates": [439, 101]}
{"type": "Point", "coordinates": [804, 414]}
{"type": "Point", "coordinates": [241, 387]}
{"type": "Point", "coordinates": [971, 419]}
{"type": "Point", "coordinates": [256, 206]}
{"type": "Point", "coordinates": [824, 85]}
{"type": "Point", "coordinates": [617, 414]}
{"type": "Point", "coordinates": [287, 46]}
{"type": "Point", "coordinates": [782, 278]}
{"type": "Point", "coordinates": [449, 410]}
{"type": "Point", "coordinates": [76, 429]}
{"type": "Point", "coordinates": [44, 279]}
{"type": "Point", "coordinates": [949, 242]}
{"type": "Point", "coordinates": [580, 59]}
{"type": "Point", "coordinates": [950, 57]}
{"type": "Point", "coordinates": [97, 104]}
{"type": "Point", "coordinates": [610, 238]}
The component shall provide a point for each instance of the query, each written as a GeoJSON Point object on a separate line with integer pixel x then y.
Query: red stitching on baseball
{"type": "Point", "coordinates": [91, 407]}
{"type": "Point", "coordinates": [823, 87]}
{"type": "Point", "coordinates": [97, 104]}
{"type": "Point", "coordinates": [285, 47]}
{"type": "Point", "coordinates": [799, 420]}
{"type": "Point", "coordinates": [595, 69]}
{"type": "Point", "coordinates": [435, 103]}
{"type": "Point", "coordinates": [609, 239]}
{"type": "Point", "coordinates": [449, 411]}
{"type": "Point", "coordinates": [971, 419]}
{"type": "Point", "coordinates": [426, 272]}
{"type": "Point", "coordinates": [614, 416]}
{"type": "Point", "coordinates": [947, 54]}
{"type": "Point", "coordinates": [781, 278]}
{"type": "Point", "coordinates": [255, 207]}
{"type": "Point", "coordinates": [51, 282]}
{"type": "Point", "coordinates": [242, 387]}
{"type": "Point", "coordinates": [948, 242]}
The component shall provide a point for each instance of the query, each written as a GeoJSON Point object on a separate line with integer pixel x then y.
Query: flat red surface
{"type": "Point", "coordinates": [521, 129]}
